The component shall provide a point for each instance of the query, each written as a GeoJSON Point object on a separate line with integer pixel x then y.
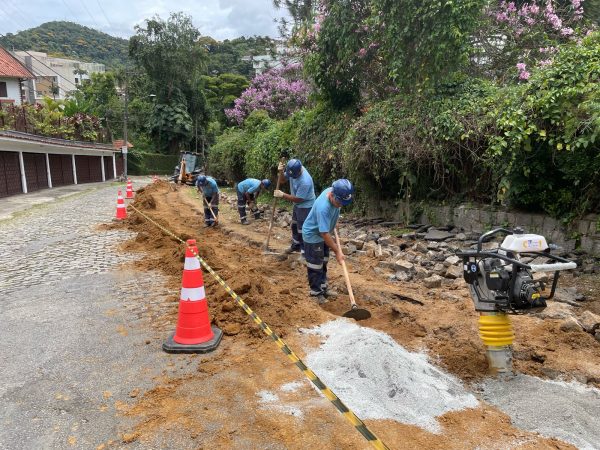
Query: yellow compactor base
{"type": "Point", "coordinates": [495, 329]}
{"type": "Point", "coordinates": [497, 334]}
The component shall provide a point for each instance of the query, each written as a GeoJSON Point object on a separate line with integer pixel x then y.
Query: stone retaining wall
{"type": "Point", "coordinates": [583, 234]}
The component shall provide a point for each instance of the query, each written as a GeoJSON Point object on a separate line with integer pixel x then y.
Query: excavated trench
{"type": "Point", "coordinates": [409, 371]}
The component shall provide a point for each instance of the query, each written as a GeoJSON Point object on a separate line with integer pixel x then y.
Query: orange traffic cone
{"type": "Point", "coordinates": [193, 334]}
{"type": "Point", "coordinates": [129, 189]}
{"type": "Point", "coordinates": [121, 209]}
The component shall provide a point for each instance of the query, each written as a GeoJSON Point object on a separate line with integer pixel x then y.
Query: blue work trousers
{"type": "Point", "coordinates": [299, 215]}
{"type": "Point", "coordinates": [213, 201]}
{"type": "Point", "coordinates": [241, 205]}
{"type": "Point", "coordinates": [317, 256]}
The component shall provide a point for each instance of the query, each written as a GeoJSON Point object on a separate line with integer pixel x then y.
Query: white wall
{"type": "Point", "coordinates": [12, 86]}
{"type": "Point", "coordinates": [44, 65]}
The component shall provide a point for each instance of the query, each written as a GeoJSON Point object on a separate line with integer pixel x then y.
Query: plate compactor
{"type": "Point", "coordinates": [502, 282]}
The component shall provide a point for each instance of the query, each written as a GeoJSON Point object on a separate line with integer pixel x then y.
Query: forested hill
{"type": "Point", "coordinates": [71, 40]}
{"type": "Point", "coordinates": [76, 41]}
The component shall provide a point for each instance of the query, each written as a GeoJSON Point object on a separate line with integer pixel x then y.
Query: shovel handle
{"type": "Point", "coordinates": [209, 207]}
{"type": "Point", "coordinates": [346, 276]}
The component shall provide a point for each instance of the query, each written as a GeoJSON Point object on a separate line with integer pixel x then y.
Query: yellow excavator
{"type": "Point", "coordinates": [188, 169]}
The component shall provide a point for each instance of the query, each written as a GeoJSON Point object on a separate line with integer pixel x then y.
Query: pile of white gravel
{"type": "Point", "coordinates": [567, 411]}
{"type": "Point", "coordinates": [379, 379]}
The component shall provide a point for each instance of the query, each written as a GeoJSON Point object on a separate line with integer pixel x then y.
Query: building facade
{"type": "Point", "coordinates": [54, 77]}
{"type": "Point", "coordinates": [29, 163]}
{"type": "Point", "coordinates": [13, 76]}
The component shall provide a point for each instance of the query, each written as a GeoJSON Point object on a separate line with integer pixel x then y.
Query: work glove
{"type": "Point", "coordinates": [281, 167]}
{"type": "Point", "coordinates": [277, 193]}
{"type": "Point", "coordinates": [252, 205]}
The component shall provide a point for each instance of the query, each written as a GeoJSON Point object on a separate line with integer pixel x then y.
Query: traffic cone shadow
{"type": "Point", "coordinates": [194, 333]}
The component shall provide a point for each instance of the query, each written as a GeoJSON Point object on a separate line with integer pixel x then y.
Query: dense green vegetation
{"type": "Point", "coordinates": [228, 56]}
{"type": "Point", "coordinates": [425, 102]}
{"type": "Point", "coordinates": [70, 40]}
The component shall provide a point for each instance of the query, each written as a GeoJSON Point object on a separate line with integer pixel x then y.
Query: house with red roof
{"type": "Point", "coordinates": [12, 75]}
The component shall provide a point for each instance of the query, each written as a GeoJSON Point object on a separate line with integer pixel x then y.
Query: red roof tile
{"type": "Point", "coordinates": [11, 67]}
{"type": "Point", "coordinates": [118, 143]}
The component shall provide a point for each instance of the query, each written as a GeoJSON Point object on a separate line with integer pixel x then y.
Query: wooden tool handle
{"type": "Point", "coordinates": [210, 208]}
{"type": "Point", "coordinates": [208, 204]}
{"type": "Point", "coordinates": [273, 209]}
{"type": "Point", "coordinates": [346, 276]}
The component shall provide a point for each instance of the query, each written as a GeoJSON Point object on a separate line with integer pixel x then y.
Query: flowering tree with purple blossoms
{"type": "Point", "coordinates": [519, 36]}
{"type": "Point", "coordinates": [278, 91]}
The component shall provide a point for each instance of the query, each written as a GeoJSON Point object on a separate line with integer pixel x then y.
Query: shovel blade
{"type": "Point", "coordinates": [357, 314]}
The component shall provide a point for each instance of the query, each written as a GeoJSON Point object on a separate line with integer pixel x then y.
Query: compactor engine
{"type": "Point", "coordinates": [502, 281]}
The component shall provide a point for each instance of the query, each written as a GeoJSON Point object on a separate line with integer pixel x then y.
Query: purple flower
{"type": "Point", "coordinates": [278, 91]}
{"type": "Point", "coordinates": [567, 31]}
{"type": "Point", "coordinates": [524, 75]}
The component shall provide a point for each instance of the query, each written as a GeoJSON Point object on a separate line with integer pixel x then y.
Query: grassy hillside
{"type": "Point", "coordinates": [70, 40]}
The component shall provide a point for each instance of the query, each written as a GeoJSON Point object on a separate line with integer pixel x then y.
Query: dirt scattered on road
{"type": "Point", "coordinates": [219, 406]}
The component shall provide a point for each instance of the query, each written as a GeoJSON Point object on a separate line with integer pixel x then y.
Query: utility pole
{"type": "Point", "coordinates": [124, 148]}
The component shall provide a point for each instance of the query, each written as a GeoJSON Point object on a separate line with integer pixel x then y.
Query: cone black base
{"type": "Point", "coordinates": [170, 346]}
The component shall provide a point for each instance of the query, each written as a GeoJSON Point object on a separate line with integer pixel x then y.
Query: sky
{"type": "Point", "coordinates": [220, 19]}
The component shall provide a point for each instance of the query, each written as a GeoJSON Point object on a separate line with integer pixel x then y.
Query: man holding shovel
{"type": "Point", "coordinates": [318, 241]}
{"type": "Point", "coordinates": [247, 193]}
{"type": "Point", "coordinates": [302, 195]}
{"type": "Point", "coordinates": [207, 187]}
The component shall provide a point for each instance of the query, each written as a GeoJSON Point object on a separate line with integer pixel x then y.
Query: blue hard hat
{"type": "Point", "coordinates": [266, 183]}
{"type": "Point", "coordinates": [342, 191]}
{"type": "Point", "coordinates": [293, 168]}
{"type": "Point", "coordinates": [201, 180]}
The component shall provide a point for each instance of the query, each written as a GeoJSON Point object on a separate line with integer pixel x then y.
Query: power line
{"type": "Point", "coordinates": [23, 16]}
{"type": "Point", "coordinates": [48, 67]}
{"type": "Point", "coordinates": [69, 8]}
{"type": "Point", "coordinates": [105, 16]}
{"type": "Point", "coordinates": [89, 13]}
{"type": "Point", "coordinates": [10, 18]}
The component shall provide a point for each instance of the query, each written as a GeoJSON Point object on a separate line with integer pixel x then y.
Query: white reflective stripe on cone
{"type": "Point", "coordinates": [120, 205]}
{"type": "Point", "coordinates": [191, 263]}
{"type": "Point", "coordinates": [192, 294]}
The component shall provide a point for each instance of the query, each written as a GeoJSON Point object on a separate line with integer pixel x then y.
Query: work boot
{"type": "Point", "coordinates": [320, 299]}
{"type": "Point", "coordinates": [329, 293]}
{"type": "Point", "coordinates": [245, 221]}
{"type": "Point", "coordinates": [290, 250]}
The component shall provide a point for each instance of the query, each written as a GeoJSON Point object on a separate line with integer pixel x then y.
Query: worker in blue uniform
{"type": "Point", "coordinates": [247, 193]}
{"type": "Point", "coordinates": [302, 195]}
{"type": "Point", "coordinates": [317, 235]}
{"type": "Point", "coordinates": [207, 186]}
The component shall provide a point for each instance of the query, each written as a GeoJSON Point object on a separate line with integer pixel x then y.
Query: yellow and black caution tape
{"type": "Point", "coordinates": [328, 393]}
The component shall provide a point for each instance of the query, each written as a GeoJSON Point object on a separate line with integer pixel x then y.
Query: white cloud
{"type": "Point", "coordinates": [221, 19]}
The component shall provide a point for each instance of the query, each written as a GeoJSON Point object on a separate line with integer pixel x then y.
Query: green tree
{"type": "Point", "coordinates": [173, 59]}
{"type": "Point", "coordinates": [98, 97]}
{"type": "Point", "coordinates": [424, 41]}
{"type": "Point", "coordinates": [222, 90]}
